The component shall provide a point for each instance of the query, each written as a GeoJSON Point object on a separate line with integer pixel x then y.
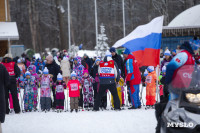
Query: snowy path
{"type": "Point", "coordinates": [126, 121]}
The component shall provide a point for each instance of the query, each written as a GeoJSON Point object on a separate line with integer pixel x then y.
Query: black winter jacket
{"type": "Point", "coordinates": [54, 69]}
{"type": "Point", "coordinates": [120, 63]}
{"type": "Point", "coordinates": [89, 63]}
{"type": "Point", "coordinates": [94, 71]}
{"type": "Point", "coordinates": [4, 77]}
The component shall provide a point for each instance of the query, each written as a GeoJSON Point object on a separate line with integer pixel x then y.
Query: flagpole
{"type": "Point", "coordinates": [124, 28]}
{"type": "Point", "coordinates": [69, 27]}
{"type": "Point", "coordinates": [96, 23]}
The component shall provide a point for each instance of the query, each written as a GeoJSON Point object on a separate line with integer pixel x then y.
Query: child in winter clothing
{"type": "Point", "coordinates": [151, 86]}
{"type": "Point", "coordinates": [86, 82]}
{"type": "Point", "coordinates": [162, 82]}
{"type": "Point", "coordinates": [34, 76]}
{"type": "Point", "coordinates": [74, 86]}
{"type": "Point", "coordinates": [45, 90]}
{"type": "Point", "coordinates": [28, 85]}
{"type": "Point", "coordinates": [59, 86]}
{"type": "Point", "coordinates": [78, 68]}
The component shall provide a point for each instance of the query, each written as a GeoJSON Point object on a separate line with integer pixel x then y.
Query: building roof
{"type": "Point", "coordinates": [188, 18]}
{"type": "Point", "coordinates": [8, 31]}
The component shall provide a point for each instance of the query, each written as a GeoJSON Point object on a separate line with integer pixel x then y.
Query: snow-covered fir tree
{"type": "Point", "coordinates": [102, 45]}
{"type": "Point", "coordinates": [73, 50]}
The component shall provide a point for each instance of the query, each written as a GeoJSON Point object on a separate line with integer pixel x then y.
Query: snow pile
{"type": "Point", "coordinates": [90, 53]}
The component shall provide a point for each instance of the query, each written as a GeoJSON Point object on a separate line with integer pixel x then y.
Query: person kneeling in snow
{"type": "Point", "coordinates": [74, 94]}
{"type": "Point", "coordinates": [59, 86]}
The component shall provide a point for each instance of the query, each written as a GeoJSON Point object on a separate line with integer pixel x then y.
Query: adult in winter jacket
{"type": "Point", "coordinates": [65, 67]}
{"type": "Point", "coordinates": [4, 77]}
{"type": "Point", "coordinates": [108, 73]}
{"type": "Point", "coordinates": [133, 78]}
{"type": "Point", "coordinates": [54, 69]}
{"type": "Point", "coordinates": [95, 75]}
{"type": "Point", "coordinates": [118, 59]}
{"type": "Point", "coordinates": [183, 59]}
{"type": "Point", "coordinates": [14, 73]}
{"type": "Point", "coordinates": [88, 61]}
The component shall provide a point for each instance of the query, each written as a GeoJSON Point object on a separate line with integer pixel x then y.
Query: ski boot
{"type": "Point", "coordinates": [71, 110]}
{"type": "Point", "coordinates": [133, 107]}
{"type": "Point", "coordinates": [147, 107]}
{"type": "Point", "coordinates": [12, 111]}
{"type": "Point", "coordinates": [76, 110]}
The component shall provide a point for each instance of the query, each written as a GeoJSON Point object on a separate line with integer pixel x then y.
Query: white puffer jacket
{"type": "Point", "coordinates": [65, 67]}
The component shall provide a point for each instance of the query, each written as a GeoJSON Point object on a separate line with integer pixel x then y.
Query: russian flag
{"type": "Point", "coordinates": [144, 42]}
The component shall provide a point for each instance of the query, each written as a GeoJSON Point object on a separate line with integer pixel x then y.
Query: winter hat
{"type": "Point", "coordinates": [76, 59]}
{"type": "Point", "coordinates": [8, 55]}
{"type": "Point", "coordinates": [33, 68]}
{"type": "Point", "coordinates": [59, 77]}
{"type": "Point", "coordinates": [150, 68]}
{"type": "Point", "coordinates": [174, 51]}
{"type": "Point", "coordinates": [19, 61]}
{"type": "Point", "coordinates": [27, 73]}
{"type": "Point", "coordinates": [85, 71]}
{"type": "Point", "coordinates": [167, 53]}
{"type": "Point", "coordinates": [65, 58]}
{"type": "Point", "coordinates": [73, 74]}
{"type": "Point", "coordinates": [108, 54]}
{"type": "Point", "coordinates": [85, 54]}
{"type": "Point", "coordinates": [126, 51]}
{"type": "Point", "coordinates": [30, 68]}
{"type": "Point", "coordinates": [112, 49]}
{"type": "Point", "coordinates": [145, 72]}
{"type": "Point", "coordinates": [164, 69]}
{"type": "Point", "coordinates": [97, 60]}
{"type": "Point", "coordinates": [45, 71]}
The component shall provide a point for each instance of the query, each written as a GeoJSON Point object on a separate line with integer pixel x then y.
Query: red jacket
{"type": "Point", "coordinates": [182, 75]}
{"type": "Point", "coordinates": [132, 71]}
{"type": "Point", "coordinates": [10, 68]}
{"type": "Point", "coordinates": [73, 86]}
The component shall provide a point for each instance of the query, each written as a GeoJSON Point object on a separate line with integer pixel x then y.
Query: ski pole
{"type": "Point", "coordinates": [38, 97]}
{"type": "Point", "coordinates": [67, 100]}
{"type": "Point", "coordinates": [126, 96]}
{"type": "Point", "coordinates": [141, 100]}
{"type": "Point", "coordinates": [21, 99]}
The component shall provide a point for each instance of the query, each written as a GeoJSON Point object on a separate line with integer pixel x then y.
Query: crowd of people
{"type": "Point", "coordinates": [43, 81]}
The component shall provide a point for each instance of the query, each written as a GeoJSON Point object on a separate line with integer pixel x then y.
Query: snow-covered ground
{"type": "Point", "coordinates": [125, 121]}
